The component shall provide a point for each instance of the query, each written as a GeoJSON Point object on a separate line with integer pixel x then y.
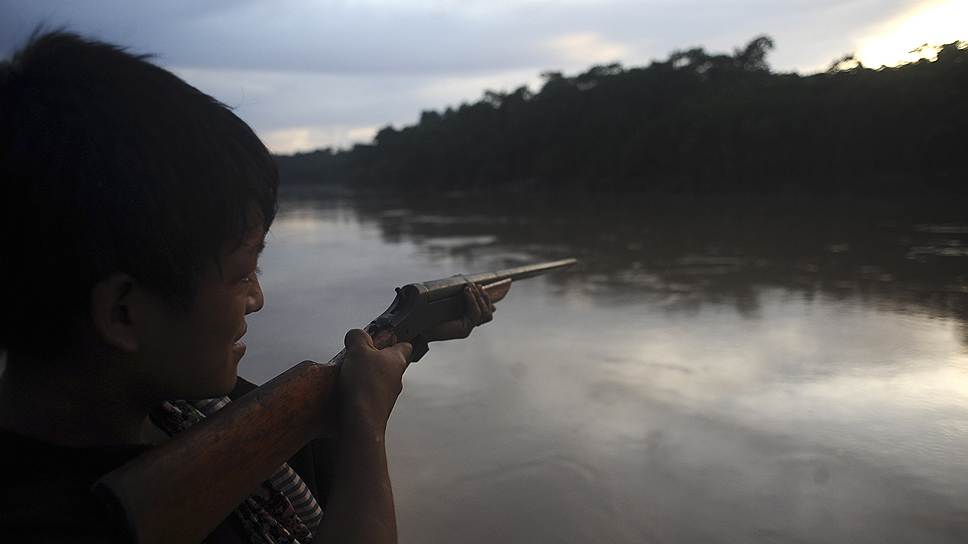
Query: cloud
{"type": "Point", "coordinates": [294, 139]}
{"type": "Point", "coordinates": [586, 48]}
{"type": "Point", "coordinates": [446, 36]}
{"type": "Point", "coordinates": [453, 90]}
{"type": "Point", "coordinates": [305, 110]}
{"type": "Point", "coordinates": [304, 72]}
{"type": "Point", "coordinates": [935, 23]}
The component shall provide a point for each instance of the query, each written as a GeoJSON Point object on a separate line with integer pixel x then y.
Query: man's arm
{"type": "Point", "coordinates": [181, 490]}
{"type": "Point", "coordinates": [360, 507]}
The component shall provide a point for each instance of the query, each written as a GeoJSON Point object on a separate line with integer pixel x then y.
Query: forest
{"type": "Point", "coordinates": [695, 122]}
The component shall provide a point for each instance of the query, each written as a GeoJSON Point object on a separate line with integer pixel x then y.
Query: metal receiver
{"type": "Point", "coordinates": [419, 307]}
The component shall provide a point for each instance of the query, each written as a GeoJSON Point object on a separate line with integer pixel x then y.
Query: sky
{"type": "Point", "coordinates": [310, 74]}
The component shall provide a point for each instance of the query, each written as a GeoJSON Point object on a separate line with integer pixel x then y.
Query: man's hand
{"type": "Point", "coordinates": [359, 508]}
{"type": "Point", "coordinates": [480, 309]}
{"type": "Point", "coordinates": [370, 381]}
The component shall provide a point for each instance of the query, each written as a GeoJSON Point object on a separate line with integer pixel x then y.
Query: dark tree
{"type": "Point", "coordinates": [695, 122]}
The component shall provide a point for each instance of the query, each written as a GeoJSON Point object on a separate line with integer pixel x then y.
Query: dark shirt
{"type": "Point", "coordinates": [47, 495]}
{"type": "Point", "coordinates": [46, 491]}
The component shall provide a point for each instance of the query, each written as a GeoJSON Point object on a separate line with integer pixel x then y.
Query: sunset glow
{"type": "Point", "coordinates": [897, 41]}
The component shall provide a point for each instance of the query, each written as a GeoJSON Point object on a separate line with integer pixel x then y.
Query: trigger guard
{"type": "Point", "coordinates": [420, 348]}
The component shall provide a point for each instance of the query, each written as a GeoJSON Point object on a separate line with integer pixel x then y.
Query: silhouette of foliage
{"type": "Point", "coordinates": [693, 123]}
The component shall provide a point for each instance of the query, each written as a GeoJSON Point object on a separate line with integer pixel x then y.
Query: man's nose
{"type": "Point", "coordinates": [255, 299]}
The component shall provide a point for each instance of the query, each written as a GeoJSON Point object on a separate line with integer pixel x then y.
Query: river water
{"type": "Point", "coordinates": [714, 370]}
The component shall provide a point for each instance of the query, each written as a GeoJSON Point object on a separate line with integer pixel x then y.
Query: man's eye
{"type": "Point", "coordinates": [252, 276]}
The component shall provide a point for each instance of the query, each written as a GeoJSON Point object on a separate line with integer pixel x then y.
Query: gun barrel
{"type": "Point", "coordinates": [520, 272]}
{"type": "Point", "coordinates": [447, 287]}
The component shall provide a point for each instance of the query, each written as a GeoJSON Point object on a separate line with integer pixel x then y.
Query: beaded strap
{"type": "Point", "coordinates": [281, 511]}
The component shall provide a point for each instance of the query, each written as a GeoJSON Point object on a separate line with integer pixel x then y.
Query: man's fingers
{"type": "Point", "coordinates": [478, 309]}
{"type": "Point", "coordinates": [487, 309]}
{"type": "Point", "coordinates": [405, 349]}
{"type": "Point", "coordinates": [498, 290]}
{"type": "Point", "coordinates": [474, 310]}
{"type": "Point", "coordinates": [357, 339]}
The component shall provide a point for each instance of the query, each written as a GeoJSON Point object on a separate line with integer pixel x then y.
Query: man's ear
{"type": "Point", "coordinates": [112, 314]}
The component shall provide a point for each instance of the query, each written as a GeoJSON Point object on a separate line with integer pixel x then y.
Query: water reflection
{"type": "Point", "coordinates": [682, 253]}
{"type": "Point", "coordinates": [716, 371]}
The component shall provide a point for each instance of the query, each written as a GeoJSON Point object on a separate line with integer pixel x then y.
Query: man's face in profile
{"type": "Point", "coordinates": [196, 354]}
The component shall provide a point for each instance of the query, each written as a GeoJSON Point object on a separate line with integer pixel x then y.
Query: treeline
{"type": "Point", "coordinates": [695, 122]}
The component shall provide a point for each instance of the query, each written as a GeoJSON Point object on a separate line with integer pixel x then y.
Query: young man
{"type": "Point", "coordinates": [134, 211]}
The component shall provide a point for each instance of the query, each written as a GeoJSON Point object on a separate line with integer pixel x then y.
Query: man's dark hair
{"type": "Point", "coordinates": [108, 164]}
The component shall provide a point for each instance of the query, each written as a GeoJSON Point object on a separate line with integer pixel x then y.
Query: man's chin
{"type": "Point", "coordinates": [224, 386]}
{"type": "Point", "coordinates": [221, 384]}
{"type": "Point", "coordinates": [238, 350]}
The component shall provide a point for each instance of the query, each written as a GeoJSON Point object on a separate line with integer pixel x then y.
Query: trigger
{"type": "Point", "coordinates": [420, 348]}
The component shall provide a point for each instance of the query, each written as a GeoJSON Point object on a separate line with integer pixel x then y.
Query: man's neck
{"type": "Point", "coordinates": [72, 403]}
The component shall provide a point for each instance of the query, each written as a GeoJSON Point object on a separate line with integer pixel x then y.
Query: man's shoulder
{"type": "Point", "coordinates": [23, 456]}
{"type": "Point", "coordinates": [46, 490]}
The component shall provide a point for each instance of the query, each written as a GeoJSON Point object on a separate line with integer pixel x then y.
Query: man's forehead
{"type": "Point", "coordinates": [254, 240]}
{"type": "Point", "coordinates": [252, 244]}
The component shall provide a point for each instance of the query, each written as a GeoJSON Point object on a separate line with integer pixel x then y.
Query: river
{"type": "Point", "coordinates": [714, 370]}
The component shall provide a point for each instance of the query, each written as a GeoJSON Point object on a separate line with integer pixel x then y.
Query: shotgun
{"type": "Point", "coordinates": [418, 307]}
